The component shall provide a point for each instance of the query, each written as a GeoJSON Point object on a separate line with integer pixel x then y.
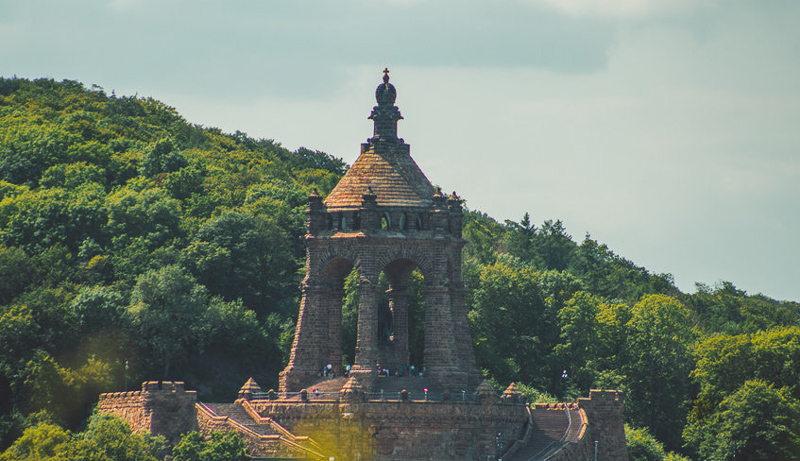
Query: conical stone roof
{"type": "Point", "coordinates": [390, 173]}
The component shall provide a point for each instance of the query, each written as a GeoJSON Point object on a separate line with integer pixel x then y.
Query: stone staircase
{"type": "Point", "coordinates": [265, 437]}
{"type": "Point", "coordinates": [237, 413]}
{"type": "Point", "coordinates": [551, 429]}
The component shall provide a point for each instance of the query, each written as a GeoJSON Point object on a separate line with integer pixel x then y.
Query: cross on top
{"type": "Point", "coordinates": [386, 75]}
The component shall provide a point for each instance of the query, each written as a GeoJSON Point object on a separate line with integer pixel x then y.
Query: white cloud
{"type": "Point", "coordinates": [625, 9]}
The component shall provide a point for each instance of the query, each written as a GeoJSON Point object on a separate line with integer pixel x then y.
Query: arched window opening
{"type": "Point", "coordinates": [401, 224]}
{"type": "Point", "coordinates": [349, 318]}
{"type": "Point", "coordinates": [357, 220]}
{"type": "Point", "coordinates": [401, 318]}
{"type": "Point", "coordinates": [386, 221]}
{"type": "Point", "coordinates": [419, 222]}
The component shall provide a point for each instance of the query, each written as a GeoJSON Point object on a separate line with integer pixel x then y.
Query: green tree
{"type": "Point", "coordinates": [162, 158]}
{"type": "Point", "coordinates": [236, 235]}
{"type": "Point", "coordinates": [554, 246]}
{"type": "Point", "coordinates": [43, 442]}
{"type": "Point", "coordinates": [642, 446]}
{"type": "Point", "coordinates": [167, 308]}
{"type": "Point", "coordinates": [578, 345]}
{"type": "Point", "coordinates": [514, 322]}
{"type": "Point", "coordinates": [520, 240]}
{"type": "Point", "coordinates": [657, 366]}
{"type": "Point", "coordinates": [107, 438]}
{"type": "Point", "coordinates": [16, 271]}
{"type": "Point", "coordinates": [756, 422]}
{"type": "Point", "coordinates": [219, 446]}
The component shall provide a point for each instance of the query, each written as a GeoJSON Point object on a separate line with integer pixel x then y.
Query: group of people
{"type": "Point", "coordinates": [412, 371]}
{"type": "Point", "coordinates": [330, 373]}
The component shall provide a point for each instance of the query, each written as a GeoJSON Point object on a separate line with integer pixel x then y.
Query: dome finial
{"type": "Point", "coordinates": [385, 114]}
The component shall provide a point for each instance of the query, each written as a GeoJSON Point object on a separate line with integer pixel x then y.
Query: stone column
{"type": "Point", "coordinates": [398, 303]}
{"type": "Point", "coordinates": [306, 358]}
{"type": "Point", "coordinates": [367, 333]}
{"type": "Point", "coordinates": [462, 337]}
{"type": "Point", "coordinates": [440, 358]}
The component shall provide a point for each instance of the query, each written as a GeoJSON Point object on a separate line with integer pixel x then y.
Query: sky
{"type": "Point", "coordinates": [666, 129]}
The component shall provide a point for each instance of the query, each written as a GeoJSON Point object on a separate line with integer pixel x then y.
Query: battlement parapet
{"type": "Point", "coordinates": [160, 407]}
{"type": "Point", "coordinates": [555, 406]}
{"type": "Point", "coordinates": [163, 386]}
{"type": "Point", "coordinates": [609, 399]}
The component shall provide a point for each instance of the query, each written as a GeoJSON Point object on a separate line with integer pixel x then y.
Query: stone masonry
{"type": "Point", "coordinates": [164, 408]}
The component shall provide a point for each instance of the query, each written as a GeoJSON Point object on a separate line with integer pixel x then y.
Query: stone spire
{"type": "Point", "coordinates": [385, 114]}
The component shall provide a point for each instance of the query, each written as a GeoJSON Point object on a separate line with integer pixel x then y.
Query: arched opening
{"type": "Point", "coordinates": [349, 318]}
{"type": "Point", "coordinates": [386, 221]}
{"type": "Point", "coordinates": [401, 319]}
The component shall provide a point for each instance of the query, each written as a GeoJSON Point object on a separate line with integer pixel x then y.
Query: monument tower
{"type": "Point", "coordinates": [383, 216]}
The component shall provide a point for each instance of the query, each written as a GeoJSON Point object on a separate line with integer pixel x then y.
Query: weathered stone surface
{"type": "Point", "coordinates": [164, 408]}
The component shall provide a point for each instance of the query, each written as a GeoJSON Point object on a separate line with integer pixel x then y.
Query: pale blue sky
{"type": "Point", "coordinates": [667, 129]}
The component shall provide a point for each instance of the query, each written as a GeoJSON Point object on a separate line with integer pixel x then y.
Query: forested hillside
{"type": "Point", "coordinates": [134, 245]}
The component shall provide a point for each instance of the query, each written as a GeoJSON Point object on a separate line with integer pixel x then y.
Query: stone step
{"type": "Point", "coordinates": [239, 414]}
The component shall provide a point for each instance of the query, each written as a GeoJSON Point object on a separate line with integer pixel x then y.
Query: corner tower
{"type": "Point", "coordinates": [383, 216]}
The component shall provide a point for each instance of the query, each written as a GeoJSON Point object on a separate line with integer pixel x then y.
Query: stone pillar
{"type": "Point", "coordinates": [398, 303]}
{"type": "Point", "coordinates": [440, 359]}
{"type": "Point", "coordinates": [306, 358]}
{"type": "Point", "coordinates": [367, 333]}
{"type": "Point", "coordinates": [335, 330]}
{"type": "Point", "coordinates": [462, 340]}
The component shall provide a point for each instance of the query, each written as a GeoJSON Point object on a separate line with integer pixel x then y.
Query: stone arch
{"type": "Point", "coordinates": [400, 269]}
{"type": "Point", "coordinates": [334, 272]}
{"type": "Point", "coordinates": [410, 252]}
{"type": "Point", "coordinates": [320, 266]}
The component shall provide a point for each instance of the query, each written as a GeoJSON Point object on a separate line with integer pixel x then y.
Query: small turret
{"type": "Point", "coordinates": [439, 219]}
{"type": "Point", "coordinates": [456, 214]}
{"type": "Point", "coordinates": [369, 210]}
{"type": "Point", "coordinates": [249, 388]}
{"type": "Point", "coordinates": [315, 213]}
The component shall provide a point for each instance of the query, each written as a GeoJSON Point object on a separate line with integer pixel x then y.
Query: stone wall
{"type": "Point", "coordinates": [395, 430]}
{"type": "Point", "coordinates": [164, 408]}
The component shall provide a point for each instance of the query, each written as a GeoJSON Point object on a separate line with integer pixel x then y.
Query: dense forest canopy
{"type": "Point", "coordinates": [134, 245]}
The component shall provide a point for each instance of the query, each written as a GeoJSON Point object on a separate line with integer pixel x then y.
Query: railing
{"type": "Point", "coordinates": [378, 396]}
{"type": "Point", "coordinates": [549, 449]}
